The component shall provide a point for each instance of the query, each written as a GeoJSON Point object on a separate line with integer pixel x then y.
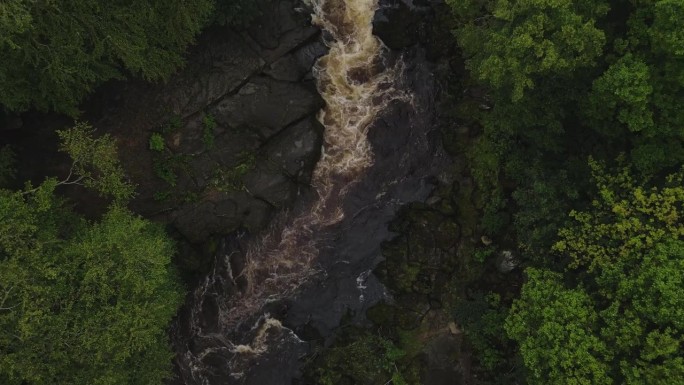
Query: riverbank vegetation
{"type": "Point", "coordinates": [582, 148]}
{"type": "Point", "coordinates": [54, 54]}
{"type": "Point", "coordinates": [83, 301]}
{"type": "Point", "coordinates": [84, 298]}
{"type": "Point", "coordinates": [569, 264]}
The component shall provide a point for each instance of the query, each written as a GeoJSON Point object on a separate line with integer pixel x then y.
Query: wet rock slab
{"type": "Point", "coordinates": [238, 125]}
{"type": "Point", "coordinates": [267, 105]}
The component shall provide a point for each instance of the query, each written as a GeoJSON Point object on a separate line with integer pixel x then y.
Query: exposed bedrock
{"type": "Point", "coordinates": [237, 126]}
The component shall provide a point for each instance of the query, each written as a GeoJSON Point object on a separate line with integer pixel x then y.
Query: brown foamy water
{"type": "Point", "coordinates": [356, 86]}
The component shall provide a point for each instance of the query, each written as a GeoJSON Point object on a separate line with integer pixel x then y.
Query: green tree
{"type": "Point", "coordinates": [618, 315]}
{"type": "Point", "coordinates": [367, 359]}
{"type": "Point", "coordinates": [607, 79]}
{"type": "Point", "coordinates": [83, 302]}
{"type": "Point", "coordinates": [95, 164]}
{"type": "Point", "coordinates": [55, 52]}
{"type": "Point", "coordinates": [553, 325]}
{"type": "Point", "coordinates": [509, 43]}
{"type": "Point", "coordinates": [637, 96]}
{"type": "Point", "coordinates": [566, 80]}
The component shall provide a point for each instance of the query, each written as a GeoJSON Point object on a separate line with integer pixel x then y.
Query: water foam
{"type": "Point", "coordinates": [357, 86]}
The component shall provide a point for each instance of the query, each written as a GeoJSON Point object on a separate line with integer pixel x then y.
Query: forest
{"type": "Point", "coordinates": [552, 254]}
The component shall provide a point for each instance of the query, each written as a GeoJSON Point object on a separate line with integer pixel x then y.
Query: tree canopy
{"type": "Point", "coordinates": [83, 302]}
{"type": "Point", "coordinates": [618, 316]}
{"type": "Point", "coordinates": [567, 80]}
{"type": "Point", "coordinates": [563, 82]}
{"type": "Point", "coordinates": [516, 41]}
{"type": "Point", "coordinates": [55, 52]}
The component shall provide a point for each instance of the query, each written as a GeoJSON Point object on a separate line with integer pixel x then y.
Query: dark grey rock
{"type": "Point", "coordinates": [296, 65]}
{"type": "Point", "coordinates": [267, 105]}
{"type": "Point", "coordinates": [307, 55]}
{"type": "Point", "coordinates": [506, 261]}
{"type": "Point", "coordinates": [280, 29]}
{"type": "Point", "coordinates": [229, 62]}
{"type": "Point", "coordinates": [254, 213]}
{"type": "Point", "coordinates": [270, 185]}
{"type": "Point", "coordinates": [10, 122]}
{"type": "Point", "coordinates": [397, 24]}
{"type": "Point", "coordinates": [286, 68]}
{"type": "Point", "coordinates": [198, 221]}
{"type": "Point", "coordinates": [297, 148]}
{"type": "Point", "coordinates": [440, 366]}
{"type": "Point", "coordinates": [220, 213]}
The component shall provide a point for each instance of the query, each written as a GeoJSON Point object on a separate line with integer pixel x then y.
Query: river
{"type": "Point", "coordinates": [248, 321]}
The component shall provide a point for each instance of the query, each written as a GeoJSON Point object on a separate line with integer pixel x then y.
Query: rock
{"type": "Point", "coordinates": [297, 65]}
{"type": "Point", "coordinates": [193, 262]}
{"type": "Point", "coordinates": [286, 68]}
{"type": "Point", "coordinates": [297, 148]}
{"type": "Point", "coordinates": [486, 240]}
{"type": "Point", "coordinates": [279, 29]}
{"type": "Point", "coordinates": [255, 213]}
{"type": "Point", "coordinates": [453, 329]}
{"type": "Point", "coordinates": [220, 213]}
{"type": "Point", "coordinates": [225, 64]}
{"type": "Point", "coordinates": [441, 355]}
{"type": "Point", "coordinates": [269, 185]}
{"type": "Point", "coordinates": [433, 200]}
{"type": "Point", "coordinates": [231, 147]}
{"type": "Point", "coordinates": [267, 105]}
{"type": "Point", "coordinates": [308, 54]}
{"type": "Point", "coordinates": [397, 23]}
{"type": "Point", "coordinates": [506, 262]}
{"type": "Point", "coordinates": [10, 122]}
{"type": "Point", "coordinates": [198, 221]}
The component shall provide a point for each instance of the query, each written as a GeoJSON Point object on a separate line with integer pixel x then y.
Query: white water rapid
{"type": "Point", "coordinates": [357, 86]}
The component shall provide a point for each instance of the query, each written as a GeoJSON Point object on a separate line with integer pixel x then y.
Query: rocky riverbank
{"type": "Point", "coordinates": [232, 139]}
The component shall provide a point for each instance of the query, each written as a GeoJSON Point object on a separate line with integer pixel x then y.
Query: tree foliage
{"type": "Point", "coordinates": [553, 324]}
{"type": "Point", "coordinates": [637, 95]}
{"type": "Point", "coordinates": [368, 359]}
{"type": "Point", "coordinates": [83, 302]}
{"type": "Point", "coordinates": [94, 162]}
{"type": "Point", "coordinates": [55, 52]}
{"type": "Point", "coordinates": [619, 318]}
{"type": "Point", "coordinates": [568, 80]}
{"type": "Point", "coordinates": [625, 221]}
{"type": "Point", "coordinates": [565, 81]}
{"type": "Point", "coordinates": [516, 41]}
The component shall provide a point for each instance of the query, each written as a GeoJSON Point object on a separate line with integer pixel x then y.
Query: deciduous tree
{"type": "Point", "coordinates": [618, 315]}
{"type": "Point", "coordinates": [83, 302]}
{"type": "Point", "coordinates": [55, 52]}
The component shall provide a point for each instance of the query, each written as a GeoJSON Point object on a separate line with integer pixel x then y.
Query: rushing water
{"type": "Point", "coordinates": [357, 86]}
